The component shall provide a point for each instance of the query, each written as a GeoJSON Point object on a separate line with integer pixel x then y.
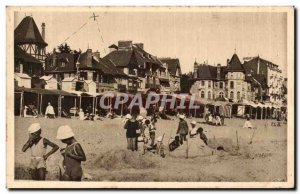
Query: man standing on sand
{"type": "Point", "coordinates": [183, 129]}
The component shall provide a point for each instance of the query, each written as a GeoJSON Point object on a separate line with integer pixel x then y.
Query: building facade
{"type": "Point", "coordinates": [29, 52]}
{"type": "Point", "coordinates": [269, 77]}
{"type": "Point", "coordinates": [220, 82]}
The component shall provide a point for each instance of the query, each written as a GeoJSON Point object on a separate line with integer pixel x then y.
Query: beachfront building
{"type": "Point", "coordinates": [144, 71]}
{"type": "Point", "coordinates": [220, 82]}
{"type": "Point", "coordinates": [173, 73]}
{"type": "Point", "coordinates": [269, 77]}
{"type": "Point", "coordinates": [29, 52]}
{"type": "Point", "coordinates": [85, 72]}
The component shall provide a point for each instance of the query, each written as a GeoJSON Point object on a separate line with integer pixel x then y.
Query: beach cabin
{"type": "Point", "coordinates": [50, 82]}
{"type": "Point", "coordinates": [23, 80]}
{"type": "Point", "coordinates": [69, 84]}
{"type": "Point", "coordinates": [90, 86]}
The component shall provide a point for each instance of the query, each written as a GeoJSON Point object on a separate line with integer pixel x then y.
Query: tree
{"type": "Point", "coordinates": [185, 82]}
{"type": "Point", "coordinates": [64, 48]}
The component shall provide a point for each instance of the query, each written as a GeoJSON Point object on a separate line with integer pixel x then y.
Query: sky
{"type": "Point", "coordinates": [202, 36]}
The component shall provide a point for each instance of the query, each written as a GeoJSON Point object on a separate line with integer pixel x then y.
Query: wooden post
{"type": "Point", "coordinates": [93, 105]}
{"type": "Point", "coordinates": [256, 113]}
{"type": "Point", "coordinates": [59, 105]}
{"type": "Point", "coordinates": [75, 107]}
{"type": "Point", "coordinates": [38, 100]}
{"type": "Point", "coordinates": [187, 147]}
{"type": "Point", "coordinates": [80, 102]}
{"type": "Point", "coordinates": [41, 104]}
{"type": "Point", "coordinates": [237, 139]}
{"type": "Point", "coordinates": [21, 103]}
{"type": "Point", "coordinates": [261, 113]}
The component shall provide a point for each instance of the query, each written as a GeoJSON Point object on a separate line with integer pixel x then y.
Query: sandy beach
{"type": "Point", "coordinates": [104, 143]}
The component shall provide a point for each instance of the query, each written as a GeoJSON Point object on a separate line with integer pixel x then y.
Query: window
{"type": "Point", "coordinates": [216, 84]}
{"type": "Point", "coordinates": [231, 95]}
{"type": "Point", "coordinates": [231, 85]}
{"type": "Point", "coordinates": [221, 95]}
{"type": "Point", "coordinates": [209, 95]}
{"type": "Point", "coordinates": [63, 64]}
{"type": "Point", "coordinates": [95, 77]}
{"type": "Point", "coordinates": [209, 84]}
{"type": "Point", "coordinates": [202, 83]}
{"type": "Point", "coordinates": [239, 95]}
{"type": "Point", "coordinates": [221, 85]}
{"type": "Point", "coordinates": [202, 94]}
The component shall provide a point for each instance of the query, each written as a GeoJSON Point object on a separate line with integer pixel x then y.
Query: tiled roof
{"type": "Point", "coordinates": [209, 72]}
{"type": "Point", "coordinates": [121, 58]}
{"type": "Point", "coordinates": [173, 64]}
{"type": "Point", "coordinates": [23, 75]}
{"type": "Point", "coordinates": [235, 64]}
{"type": "Point", "coordinates": [28, 33]}
{"type": "Point", "coordinates": [22, 55]}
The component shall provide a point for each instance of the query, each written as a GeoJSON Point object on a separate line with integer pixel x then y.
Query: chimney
{"type": "Point", "coordinates": [219, 71]}
{"type": "Point", "coordinates": [89, 57]}
{"type": "Point", "coordinates": [43, 30]}
{"type": "Point", "coordinates": [125, 44]}
{"type": "Point", "coordinates": [228, 61]}
{"type": "Point", "coordinates": [195, 66]}
{"type": "Point", "coordinates": [97, 54]}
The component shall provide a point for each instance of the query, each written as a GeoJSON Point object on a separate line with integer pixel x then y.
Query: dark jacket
{"type": "Point", "coordinates": [131, 127]}
{"type": "Point", "coordinates": [183, 127]}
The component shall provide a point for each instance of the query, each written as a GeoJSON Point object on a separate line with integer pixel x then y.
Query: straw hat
{"type": "Point", "coordinates": [34, 127]}
{"type": "Point", "coordinates": [181, 116]}
{"type": "Point", "coordinates": [139, 118]}
{"type": "Point", "coordinates": [64, 132]}
{"type": "Point", "coordinates": [128, 116]}
{"type": "Point", "coordinates": [193, 122]}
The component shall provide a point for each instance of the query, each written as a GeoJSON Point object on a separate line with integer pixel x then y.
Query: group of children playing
{"type": "Point", "coordinates": [72, 154]}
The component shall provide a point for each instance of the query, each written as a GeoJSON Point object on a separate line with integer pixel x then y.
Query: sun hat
{"type": "Point", "coordinates": [193, 122]}
{"type": "Point", "coordinates": [64, 132]}
{"type": "Point", "coordinates": [34, 127]}
{"type": "Point", "coordinates": [139, 118]}
{"type": "Point", "coordinates": [128, 116]}
{"type": "Point", "coordinates": [181, 116]}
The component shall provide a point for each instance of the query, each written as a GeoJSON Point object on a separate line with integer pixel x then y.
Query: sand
{"type": "Point", "coordinates": [104, 143]}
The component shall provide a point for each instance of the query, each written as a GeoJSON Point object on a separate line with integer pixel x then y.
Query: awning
{"type": "Point", "coordinates": [43, 91]}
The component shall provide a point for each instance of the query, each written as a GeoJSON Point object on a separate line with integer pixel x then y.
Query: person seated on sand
{"type": "Point", "coordinates": [218, 120]}
{"type": "Point", "coordinates": [194, 129]}
{"type": "Point", "coordinates": [28, 113]}
{"type": "Point", "coordinates": [81, 115]}
{"type": "Point", "coordinates": [247, 123]}
{"type": "Point", "coordinates": [202, 135]}
{"type": "Point", "coordinates": [38, 147]}
{"type": "Point", "coordinates": [49, 113]}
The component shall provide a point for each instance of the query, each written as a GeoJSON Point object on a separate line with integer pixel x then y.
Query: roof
{"type": "Point", "coordinates": [69, 79]}
{"type": "Point", "coordinates": [27, 32]}
{"type": "Point", "coordinates": [88, 81]}
{"type": "Point", "coordinates": [64, 62]}
{"type": "Point", "coordinates": [235, 64]}
{"type": "Point", "coordinates": [133, 57]}
{"type": "Point", "coordinates": [121, 58]}
{"type": "Point", "coordinates": [173, 64]}
{"type": "Point", "coordinates": [44, 91]}
{"type": "Point", "coordinates": [22, 55]}
{"type": "Point", "coordinates": [262, 62]}
{"type": "Point", "coordinates": [23, 75]}
{"type": "Point", "coordinates": [47, 78]}
{"type": "Point", "coordinates": [209, 72]}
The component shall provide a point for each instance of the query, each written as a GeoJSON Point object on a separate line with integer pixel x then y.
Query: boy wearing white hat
{"type": "Point", "coordinates": [73, 154]}
{"type": "Point", "coordinates": [38, 146]}
{"type": "Point", "coordinates": [194, 129]}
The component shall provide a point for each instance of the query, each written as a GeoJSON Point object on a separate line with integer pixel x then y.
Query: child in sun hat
{"type": "Point", "coordinates": [38, 147]}
{"type": "Point", "coordinates": [73, 154]}
{"type": "Point", "coordinates": [193, 130]}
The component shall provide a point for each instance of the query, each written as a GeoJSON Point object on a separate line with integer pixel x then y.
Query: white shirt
{"type": "Point", "coordinates": [50, 110]}
{"type": "Point", "coordinates": [81, 115]}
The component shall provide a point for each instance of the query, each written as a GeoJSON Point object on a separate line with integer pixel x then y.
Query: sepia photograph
{"type": "Point", "coordinates": [150, 97]}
